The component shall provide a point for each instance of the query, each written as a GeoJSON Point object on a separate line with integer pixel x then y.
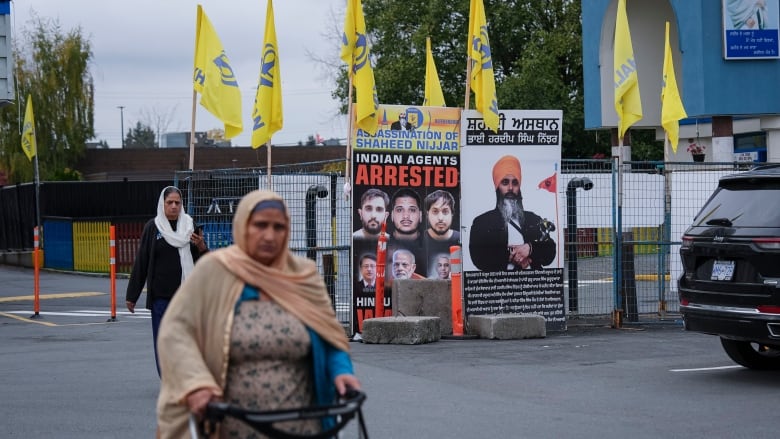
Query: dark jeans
{"type": "Point", "coordinates": [158, 309]}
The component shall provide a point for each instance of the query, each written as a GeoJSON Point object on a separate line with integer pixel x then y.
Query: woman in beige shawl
{"type": "Point", "coordinates": [252, 325]}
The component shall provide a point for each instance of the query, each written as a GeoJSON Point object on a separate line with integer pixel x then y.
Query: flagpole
{"type": "Point", "coordinates": [468, 82]}
{"type": "Point", "coordinates": [468, 59]}
{"type": "Point", "coordinates": [37, 193]}
{"type": "Point", "coordinates": [268, 163]}
{"type": "Point", "coordinates": [667, 231]}
{"type": "Point", "coordinates": [617, 320]}
{"type": "Point", "coordinates": [192, 131]}
{"type": "Point", "coordinates": [350, 120]}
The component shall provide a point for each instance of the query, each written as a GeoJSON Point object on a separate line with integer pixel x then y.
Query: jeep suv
{"type": "Point", "coordinates": [730, 285]}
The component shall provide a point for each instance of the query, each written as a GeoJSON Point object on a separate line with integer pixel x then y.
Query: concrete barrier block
{"type": "Point", "coordinates": [508, 326]}
{"type": "Point", "coordinates": [401, 330]}
{"type": "Point", "coordinates": [21, 258]}
{"type": "Point", "coordinates": [424, 297]}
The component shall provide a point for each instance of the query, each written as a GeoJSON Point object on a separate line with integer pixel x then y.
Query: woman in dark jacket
{"type": "Point", "coordinates": [168, 250]}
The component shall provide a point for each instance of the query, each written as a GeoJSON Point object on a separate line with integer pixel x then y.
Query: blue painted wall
{"type": "Point", "coordinates": [709, 84]}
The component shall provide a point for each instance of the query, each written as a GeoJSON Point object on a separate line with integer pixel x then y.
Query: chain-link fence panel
{"type": "Point", "coordinates": [659, 201]}
{"type": "Point", "coordinates": [319, 216]}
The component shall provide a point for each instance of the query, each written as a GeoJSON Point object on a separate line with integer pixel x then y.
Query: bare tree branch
{"type": "Point", "coordinates": [158, 119]}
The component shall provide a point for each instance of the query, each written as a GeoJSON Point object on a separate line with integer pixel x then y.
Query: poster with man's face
{"type": "Point", "coordinates": [512, 235]}
{"type": "Point", "coordinates": [408, 176]}
{"type": "Point", "coordinates": [483, 195]}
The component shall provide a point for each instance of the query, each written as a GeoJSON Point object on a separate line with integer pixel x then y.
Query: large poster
{"type": "Point", "coordinates": [407, 174]}
{"type": "Point", "coordinates": [512, 240]}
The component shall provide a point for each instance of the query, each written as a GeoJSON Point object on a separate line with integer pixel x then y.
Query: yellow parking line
{"type": "Point", "coordinates": [24, 319]}
{"type": "Point", "coordinates": [50, 324]}
{"type": "Point", "coordinates": [644, 277]}
{"type": "Point", "coordinates": [651, 277]}
{"type": "Point", "coordinates": [49, 296]}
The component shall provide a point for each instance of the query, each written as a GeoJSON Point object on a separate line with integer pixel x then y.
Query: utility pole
{"type": "Point", "coordinates": [122, 123]}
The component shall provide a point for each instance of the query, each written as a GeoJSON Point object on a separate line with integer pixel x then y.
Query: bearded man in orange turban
{"type": "Point", "coordinates": [510, 237]}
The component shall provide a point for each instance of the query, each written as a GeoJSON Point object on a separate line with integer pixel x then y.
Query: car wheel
{"type": "Point", "coordinates": [752, 355]}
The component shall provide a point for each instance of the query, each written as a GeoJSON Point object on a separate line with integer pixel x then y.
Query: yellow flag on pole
{"type": "Point", "coordinates": [433, 94]}
{"type": "Point", "coordinates": [672, 109]}
{"type": "Point", "coordinates": [483, 83]}
{"type": "Point", "coordinates": [267, 115]}
{"type": "Point", "coordinates": [214, 78]}
{"type": "Point", "coordinates": [354, 52]}
{"type": "Point", "coordinates": [627, 102]}
{"type": "Point", "coordinates": [29, 144]}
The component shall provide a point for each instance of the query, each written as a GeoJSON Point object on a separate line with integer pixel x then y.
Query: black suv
{"type": "Point", "coordinates": [730, 284]}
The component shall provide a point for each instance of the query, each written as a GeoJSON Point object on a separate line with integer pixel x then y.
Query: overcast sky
{"type": "Point", "coordinates": [143, 59]}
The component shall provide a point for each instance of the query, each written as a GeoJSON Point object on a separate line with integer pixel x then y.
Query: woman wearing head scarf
{"type": "Point", "coordinates": [252, 326]}
{"type": "Point", "coordinates": [165, 257]}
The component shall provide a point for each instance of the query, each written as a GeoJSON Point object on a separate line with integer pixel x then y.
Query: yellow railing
{"type": "Point", "coordinates": [90, 246]}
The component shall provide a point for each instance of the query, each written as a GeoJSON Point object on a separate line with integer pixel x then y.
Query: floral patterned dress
{"type": "Point", "coordinates": [269, 367]}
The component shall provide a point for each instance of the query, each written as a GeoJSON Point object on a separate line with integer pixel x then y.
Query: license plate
{"type": "Point", "coordinates": [722, 270]}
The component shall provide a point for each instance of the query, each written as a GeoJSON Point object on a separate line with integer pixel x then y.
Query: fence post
{"type": "Point", "coordinates": [112, 263]}
{"type": "Point", "coordinates": [37, 274]}
{"type": "Point", "coordinates": [455, 289]}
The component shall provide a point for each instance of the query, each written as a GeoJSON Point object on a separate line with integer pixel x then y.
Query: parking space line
{"type": "Point", "coordinates": [700, 369]}
{"type": "Point", "coordinates": [25, 319]}
{"type": "Point", "coordinates": [50, 296]}
{"type": "Point", "coordinates": [87, 313]}
{"type": "Point", "coordinates": [139, 315]}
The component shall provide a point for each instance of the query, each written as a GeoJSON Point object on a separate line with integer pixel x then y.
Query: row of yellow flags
{"type": "Point", "coordinates": [627, 101]}
{"type": "Point", "coordinates": [214, 79]}
{"type": "Point", "coordinates": [355, 52]}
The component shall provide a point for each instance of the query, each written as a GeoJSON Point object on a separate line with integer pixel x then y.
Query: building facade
{"type": "Point", "coordinates": [727, 73]}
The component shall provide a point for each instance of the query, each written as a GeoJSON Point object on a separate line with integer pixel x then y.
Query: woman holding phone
{"type": "Point", "coordinates": [169, 248]}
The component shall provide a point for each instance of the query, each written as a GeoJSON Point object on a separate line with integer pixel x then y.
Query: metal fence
{"type": "Point", "coordinates": [319, 212]}
{"type": "Point", "coordinates": [635, 272]}
{"type": "Point", "coordinates": [659, 202]}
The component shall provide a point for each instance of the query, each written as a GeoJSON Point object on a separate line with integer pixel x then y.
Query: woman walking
{"type": "Point", "coordinates": [167, 253]}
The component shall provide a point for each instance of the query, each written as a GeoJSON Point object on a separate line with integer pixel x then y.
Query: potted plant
{"type": "Point", "coordinates": [696, 150]}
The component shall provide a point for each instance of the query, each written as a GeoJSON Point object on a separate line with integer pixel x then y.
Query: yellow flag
{"type": "Point", "coordinates": [433, 94]}
{"type": "Point", "coordinates": [627, 103]}
{"type": "Point", "coordinates": [672, 109]}
{"type": "Point", "coordinates": [29, 144]}
{"type": "Point", "coordinates": [267, 115]}
{"type": "Point", "coordinates": [214, 78]}
{"type": "Point", "coordinates": [354, 52]}
{"type": "Point", "coordinates": [482, 81]}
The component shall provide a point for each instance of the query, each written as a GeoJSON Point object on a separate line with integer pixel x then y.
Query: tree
{"type": "Point", "coordinates": [158, 120]}
{"type": "Point", "coordinates": [536, 47]}
{"type": "Point", "coordinates": [141, 136]}
{"type": "Point", "coordinates": [53, 67]}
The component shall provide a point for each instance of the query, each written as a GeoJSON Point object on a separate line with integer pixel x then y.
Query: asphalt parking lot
{"type": "Point", "coordinates": [71, 374]}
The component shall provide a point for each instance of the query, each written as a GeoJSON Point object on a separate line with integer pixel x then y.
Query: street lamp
{"type": "Point", "coordinates": [122, 124]}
